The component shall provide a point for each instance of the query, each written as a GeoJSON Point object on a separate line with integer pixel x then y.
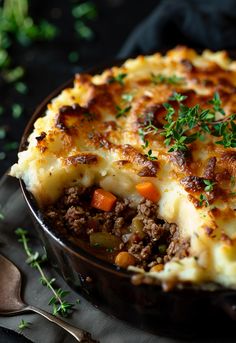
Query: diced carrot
{"type": "Point", "coordinates": [157, 268]}
{"type": "Point", "coordinates": [103, 200]}
{"type": "Point", "coordinates": [148, 191]}
{"type": "Point", "coordinates": [124, 259]}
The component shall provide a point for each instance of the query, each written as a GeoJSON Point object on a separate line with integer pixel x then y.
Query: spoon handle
{"type": "Point", "coordinates": [79, 334]}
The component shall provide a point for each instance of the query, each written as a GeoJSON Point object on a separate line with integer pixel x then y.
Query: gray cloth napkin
{"type": "Point", "coordinates": [102, 327]}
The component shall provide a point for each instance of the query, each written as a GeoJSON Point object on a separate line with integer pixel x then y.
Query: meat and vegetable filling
{"type": "Point", "coordinates": [117, 229]}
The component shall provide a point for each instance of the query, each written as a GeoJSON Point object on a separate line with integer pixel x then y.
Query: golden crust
{"type": "Point", "coordinates": [92, 134]}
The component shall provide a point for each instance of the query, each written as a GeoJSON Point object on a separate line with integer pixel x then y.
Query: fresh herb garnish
{"type": "Point", "coordinates": [1, 216]}
{"type": "Point", "coordinates": [122, 112]}
{"type": "Point", "coordinates": [216, 102]}
{"type": "Point", "coordinates": [21, 87]}
{"type": "Point", "coordinates": [13, 75]}
{"type": "Point", "coordinates": [148, 129]}
{"type": "Point", "coordinates": [83, 14]}
{"type": "Point", "coordinates": [180, 123]}
{"type": "Point", "coordinates": [209, 185]}
{"type": "Point", "coordinates": [17, 110]}
{"type": "Point", "coordinates": [160, 78]}
{"type": "Point", "coordinates": [19, 26]}
{"type": "Point", "coordinates": [118, 78]}
{"type": "Point", "coordinates": [178, 97]}
{"type": "Point", "coordinates": [150, 155]}
{"type": "Point", "coordinates": [83, 31]}
{"type": "Point", "coordinates": [86, 10]}
{"type": "Point", "coordinates": [127, 97]}
{"type": "Point", "coordinates": [203, 200]}
{"type": "Point", "coordinates": [35, 260]}
{"type": "Point", "coordinates": [227, 131]}
{"type": "Point", "coordinates": [23, 325]}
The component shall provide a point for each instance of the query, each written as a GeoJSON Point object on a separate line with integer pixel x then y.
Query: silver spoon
{"type": "Point", "coordinates": [11, 303]}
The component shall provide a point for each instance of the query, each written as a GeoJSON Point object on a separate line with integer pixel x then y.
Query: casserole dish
{"type": "Point", "coordinates": [184, 310]}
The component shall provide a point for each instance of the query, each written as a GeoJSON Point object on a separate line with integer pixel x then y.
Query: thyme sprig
{"type": "Point", "coordinates": [35, 260]}
{"type": "Point", "coordinates": [178, 131]}
{"type": "Point", "coordinates": [160, 78]}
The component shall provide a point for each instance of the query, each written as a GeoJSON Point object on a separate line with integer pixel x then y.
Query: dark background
{"type": "Point", "coordinates": [47, 65]}
{"type": "Point", "coordinates": [123, 28]}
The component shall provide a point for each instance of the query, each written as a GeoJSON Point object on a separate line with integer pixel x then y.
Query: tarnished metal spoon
{"type": "Point", "coordinates": [11, 302]}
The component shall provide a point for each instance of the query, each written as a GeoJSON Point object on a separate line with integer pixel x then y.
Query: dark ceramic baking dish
{"type": "Point", "coordinates": [187, 312]}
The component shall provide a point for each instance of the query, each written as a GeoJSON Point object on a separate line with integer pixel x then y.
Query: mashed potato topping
{"type": "Point", "coordinates": [165, 119]}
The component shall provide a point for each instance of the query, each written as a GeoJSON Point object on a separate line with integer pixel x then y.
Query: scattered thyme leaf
{"type": "Point", "coordinates": [122, 112]}
{"type": "Point", "coordinates": [150, 156]}
{"type": "Point", "coordinates": [177, 97]}
{"type": "Point", "coordinates": [160, 78]}
{"type": "Point", "coordinates": [118, 78]}
{"type": "Point", "coordinates": [86, 10]}
{"type": "Point", "coordinates": [13, 75]}
{"type": "Point", "coordinates": [203, 200]}
{"type": "Point", "coordinates": [209, 185]}
{"type": "Point", "coordinates": [21, 87]}
{"type": "Point", "coordinates": [83, 31]}
{"type": "Point", "coordinates": [175, 79]}
{"type": "Point", "coordinates": [2, 216]}
{"type": "Point", "coordinates": [157, 78]}
{"type": "Point", "coordinates": [17, 110]}
{"type": "Point", "coordinates": [23, 325]}
{"type": "Point", "coordinates": [216, 102]}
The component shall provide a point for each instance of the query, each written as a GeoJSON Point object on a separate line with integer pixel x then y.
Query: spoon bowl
{"type": "Point", "coordinates": [10, 286]}
{"type": "Point", "coordinates": [11, 302]}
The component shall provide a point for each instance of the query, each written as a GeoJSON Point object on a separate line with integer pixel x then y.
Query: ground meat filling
{"type": "Point", "coordinates": [136, 229]}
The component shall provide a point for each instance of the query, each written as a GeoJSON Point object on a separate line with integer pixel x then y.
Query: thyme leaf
{"type": "Point", "coordinates": [150, 155]}
{"type": "Point", "coordinates": [160, 78]}
{"type": "Point", "coordinates": [23, 325]}
{"type": "Point", "coordinates": [118, 78]}
{"type": "Point", "coordinates": [203, 201]}
{"type": "Point", "coordinates": [122, 112]}
{"type": "Point", "coordinates": [209, 185]}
